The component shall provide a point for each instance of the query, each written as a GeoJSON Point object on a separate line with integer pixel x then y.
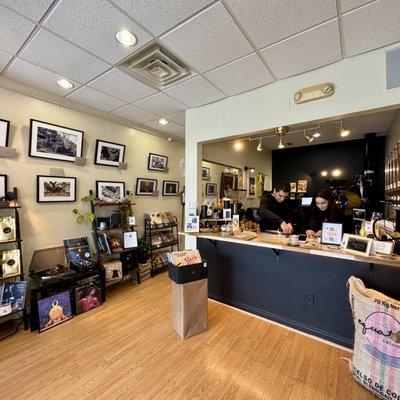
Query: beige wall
{"type": "Point", "coordinates": [46, 225]}
{"type": "Point", "coordinates": [393, 135]}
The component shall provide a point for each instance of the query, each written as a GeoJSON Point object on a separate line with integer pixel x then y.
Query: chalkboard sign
{"type": "Point", "coordinates": [357, 245]}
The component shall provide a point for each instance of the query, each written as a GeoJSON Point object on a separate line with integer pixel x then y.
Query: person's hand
{"type": "Point", "coordinates": [318, 234]}
{"type": "Point", "coordinates": [310, 233]}
{"type": "Point", "coordinates": [286, 228]}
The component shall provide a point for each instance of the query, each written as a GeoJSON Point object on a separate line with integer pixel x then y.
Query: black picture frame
{"type": "Point", "coordinates": [100, 144]}
{"type": "Point", "coordinates": [56, 198]}
{"type": "Point", "coordinates": [228, 181]}
{"type": "Point", "coordinates": [165, 191]}
{"type": "Point", "coordinates": [152, 157]}
{"type": "Point", "coordinates": [3, 185]}
{"type": "Point", "coordinates": [4, 132]}
{"type": "Point", "coordinates": [35, 125]}
{"type": "Point", "coordinates": [143, 193]}
{"type": "Point", "coordinates": [205, 173]}
{"type": "Point", "coordinates": [211, 192]}
{"type": "Point", "coordinates": [102, 197]}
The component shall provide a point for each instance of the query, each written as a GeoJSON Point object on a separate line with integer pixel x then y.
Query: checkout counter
{"type": "Point", "coordinates": [302, 287]}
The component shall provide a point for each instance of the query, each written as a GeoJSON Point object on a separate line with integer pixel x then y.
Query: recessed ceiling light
{"type": "Point", "coordinates": [163, 121]}
{"type": "Point", "coordinates": [126, 38]}
{"type": "Point", "coordinates": [344, 132]}
{"type": "Point", "coordinates": [316, 134]}
{"type": "Point", "coordinates": [65, 84]}
{"type": "Point", "coordinates": [324, 173]}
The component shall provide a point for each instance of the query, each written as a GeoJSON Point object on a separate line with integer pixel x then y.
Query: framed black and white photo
{"type": "Point", "coordinates": [205, 173]}
{"type": "Point", "coordinates": [4, 132]}
{"type": "Point", "coordinates": [146, 187]}
{"type": "Point", "coordinates": [54, 141]}
{"type": "Point", "coordinates": [170, 188]}
{"type": "Point", "coordinates": [211, 189]}
{"type": "Point", "coordinates": [55, 189]}
{"type": "Point", "coordinates": [108, 153]}
{"type": "Point", "coordinates": [110, 191]}
{"type": "Point", "coordinates": [3, 185]}
{"type": "Point", "coordinates": [157, 162]}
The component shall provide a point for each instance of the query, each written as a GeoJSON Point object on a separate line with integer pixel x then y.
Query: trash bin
{"type": "Point", "coordinates": [189, 299]}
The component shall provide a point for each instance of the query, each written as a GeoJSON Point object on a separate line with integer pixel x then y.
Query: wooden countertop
{"type": "Point", "coordinates": [313, 247]}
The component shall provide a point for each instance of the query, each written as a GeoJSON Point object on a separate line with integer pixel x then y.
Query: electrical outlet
{"type": "Point", "coordinates": [309, 298]}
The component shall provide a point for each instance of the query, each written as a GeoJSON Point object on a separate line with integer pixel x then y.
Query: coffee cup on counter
{"type": "Point", "coordinates": [293, 240]}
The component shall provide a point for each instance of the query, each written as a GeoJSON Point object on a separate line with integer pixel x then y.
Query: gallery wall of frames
{"type": "Point", "coordinates": [62, 154]}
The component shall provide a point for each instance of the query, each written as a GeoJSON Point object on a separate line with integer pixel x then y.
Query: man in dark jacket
{"type": "Point", "coordinates": [275, 211]}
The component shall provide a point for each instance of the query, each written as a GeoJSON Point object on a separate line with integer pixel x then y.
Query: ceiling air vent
{"type": "Point", "coordinates": [156, 67]}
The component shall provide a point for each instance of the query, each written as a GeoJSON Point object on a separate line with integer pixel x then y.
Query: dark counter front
{"type": "Point", "coordinates": [304, 291]}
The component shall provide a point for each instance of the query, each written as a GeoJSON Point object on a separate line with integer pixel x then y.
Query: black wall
{"type": "Point", "coordinates": [306, 163]}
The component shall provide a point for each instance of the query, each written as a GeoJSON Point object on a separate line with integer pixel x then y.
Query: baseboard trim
{"type": "Point", "coordinates": [305, 330]}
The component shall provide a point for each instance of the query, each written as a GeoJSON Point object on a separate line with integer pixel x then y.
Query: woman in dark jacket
{"type": "Point", "coordinates": [323, 209]}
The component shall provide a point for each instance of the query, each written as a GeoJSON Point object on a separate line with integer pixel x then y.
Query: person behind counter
{"type": "Point", "coordinates": [323, 209]}
{"type": "Point", "coordinates": [275, 210]}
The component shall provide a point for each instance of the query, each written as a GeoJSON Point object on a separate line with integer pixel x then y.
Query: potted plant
{"type": "Point", "coordinates": [86, 216]}
{"type": "Point", "coordinates": [143, 251]}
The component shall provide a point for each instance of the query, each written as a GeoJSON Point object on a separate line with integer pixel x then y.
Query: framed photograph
{"type": "Point", "coordinates": [359, 214]}
{"type": "Point", "coordinates": [54, 310]}
{"type": "Point", "coordinates": [211, 189]}
{"type": "Point", "coordinates": [192, 224]}
{"type": "Point", "coordinates": [226, 213]}
{"type": "Point", "coordinates": [302, 186]}
{"type": "Point", "coordinates": [293, 187]}
{"type": "Point", "coordinates": [87, 294]}
{"type": "Point", "coordinates": [130, 240]}
{"type": "Point", "coordinates": [3, 185]}
{"type": "Point", "coordinates": [170, 188]}
{"type": "Point", "coordinates": [251, 186]}
{"type": "Point", "coordinates": [331, 233]}
{"type": "Point", "coordinates": [110, 191]}
{"type": "Point", "coordinates": [55, 189]}
{"type": "Point", "coordinates": [357, 245]}
{"type": "Point", "coordinates": [108, 153]}
{"type": "Point", "coordinates": [4, 132]}
{"type": "Point", "coordinates": [157, 162]}
{"type": "Point", "coordinates": [228, 181]}
{"type": "Point", "coordinates": [146, 187]}
{"type": "Point", "coordinates": [14, 294]}
{"type": "Point", "coordinates": [205, 173]}
{"type": "Point", "coordinates": [54, 141]}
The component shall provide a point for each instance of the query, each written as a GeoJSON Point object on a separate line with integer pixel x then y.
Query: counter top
{"type": "Point", "coordinates": [312, 247]}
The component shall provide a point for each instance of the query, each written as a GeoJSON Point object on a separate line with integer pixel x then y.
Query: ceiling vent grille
{"type": "Point", "coordinates": [157, 67]}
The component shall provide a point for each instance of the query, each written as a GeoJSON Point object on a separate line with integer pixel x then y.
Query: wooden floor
{"type": "Point", "coordinates": [126, 349]}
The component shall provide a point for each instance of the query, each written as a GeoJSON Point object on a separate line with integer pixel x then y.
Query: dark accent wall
{"type": "Point", "coordinates": [306, 163]}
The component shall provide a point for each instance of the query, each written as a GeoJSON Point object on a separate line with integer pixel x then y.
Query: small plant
{"type": "Point", "coordinates": [143, 250]}
{"type": "Point", "coordinates": [125, 210]}
{"type": "Point", "coordinates": [88, 216]}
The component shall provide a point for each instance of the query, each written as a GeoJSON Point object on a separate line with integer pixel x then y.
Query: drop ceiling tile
{"type": "Point", "coordinates": [208, 40]}
{"type": "Point", "coordinates": [92, 25]}
{"type": "Point", "coordinates": [32, 9]}
{"type": "Point", "coordinates": [179, 118]}
{"type": "Point", "coordinates": [161, 104]}
{"type": "Point", "coordinates": [309, 50]}
{"type": "Point", "coordinates": [14, 30]}
{"type": "Point", "coordinates": [195, 92]}
{"type": "Point", "coordinates": [229, 78]}
{"type": "Point", "coordinates": [135, 114]}
{"type": "Point", "coordinates": [348, 5]}
{"type": "Point", "coordinates": [122, 86]}
{"type": "Point", "coordinates": [268, 21]}
{"type": "Point", "coordinates": [159, 16]}
{"type": "Point", "coordinates": [96, 99]}
{"type": "Point", "coordinates": [371, 27]}
{"type": "Point", "coordinates": [55, 54]}
{"type": "Point", "coordinates": [170, 128]}
{"type": "Point", "coordinates": [5, 58]}
{"type": "Point", "coordinates": [32, 75]}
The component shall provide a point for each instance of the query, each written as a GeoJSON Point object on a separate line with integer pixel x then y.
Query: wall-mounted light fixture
{"type": "Point", "coordinates": [308, 137]}
{"type": "Point", "coordinates": [251, 169]}
{"type": "Point", "coordinates": [259, 147]}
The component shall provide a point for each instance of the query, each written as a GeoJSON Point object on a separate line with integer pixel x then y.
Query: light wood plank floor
{"type": "Point", "coordinates": [126, 349]}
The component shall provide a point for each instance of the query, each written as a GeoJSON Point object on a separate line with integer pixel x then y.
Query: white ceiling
{"type": "Point", "coordinates": [232, 46]}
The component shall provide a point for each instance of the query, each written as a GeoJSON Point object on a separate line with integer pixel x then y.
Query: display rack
{"type": "Point", "coordinates": [101, 256]}
{"type": "Point", "coordinates": [150, 230]}
{"type": "Point", "coordinates": [16, 244]}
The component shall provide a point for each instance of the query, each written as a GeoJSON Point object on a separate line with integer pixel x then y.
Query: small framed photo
{"type": "Point", "coordinates": [54, 141]}
{"type": "Point", "coordinates": [170, 188]}
{"type": "Point", "coordinates": [54, 310]}
{"type": "Point", "coordinates": [302, 186]}
{"type": "Point", "coordinates": [130, 240]}
{"type": "Point", "coordinates": [211, 189]}
{"type": "Point", "coordinates": [108, 153]}
{"type": "Point", "coordinates": [192, 224]}
{"type": "Point", "coordinates": [3, 185]}
{"type": "Point", "coordinates": [4, 132]}
{"type": "Point", "coordinates": [357, 245]}
{"type": "Point", "coordinates": [359, 214]}
{"type": "Point", "coordinates": [293, 187]}
{"type": "Point", "coordinates": [205, 173]}
{"type": "Point", "coordinates": [226, 213]}
{"type": "Point", "coordinates": [110, 191]}
{"type": "Point", "coordinates": [157, 162]}
{"type": "Point", "coordinates": [146, 187]}
{"type": "Point", "coordinates": [251, 186]}
{"type": "Point", "coordinates": [55, 189]}
{"type": "Point", "coordinates": [331, 233]}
